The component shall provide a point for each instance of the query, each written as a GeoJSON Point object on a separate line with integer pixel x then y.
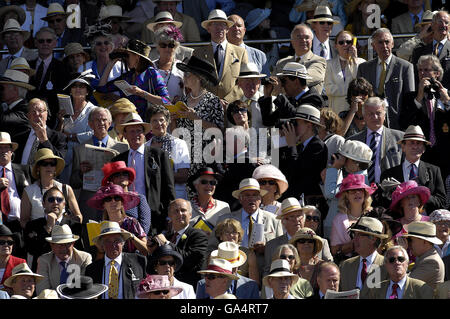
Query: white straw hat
{"type": "Point", "coordinates": [248, 184]}
{"type": "Point", "coordinates": [217, 15]}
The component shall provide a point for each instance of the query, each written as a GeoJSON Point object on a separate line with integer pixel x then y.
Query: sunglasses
{"type": "Point", "coordinates": [53, 199]}
{"type": "Point", "coordinates": [165, 45]}
{"type": "Point", "coordinates": [119, 174]}
{"type": "Point", "coordinates": [205, 182]}
{"type": "Point", "coordinates": [166, 262]}
{"type": "Point", "coordinates": [305, 241]}
{"type": "Point", "coordinates": [46, 164]}
{"type": "Point", "coordinates": [342, 42]}
{"type": "Point", "coordinates": [290, 257]}
{"type": "Point", "coordinates": [271, 182]}
{"type": "Point", "coordinates": [6, 242]}
{"type": "Point", "coordinates": [160, 292]}
{"type": "Point", "coordinates": [394, 259]}
{"type": "Point", "coordinates": [325, 22]}
{"type": "Point", "coordinates": [241, 110]}
{"type": "Point", "coordinates": [110, 198]}
{"type": "Point", "coordinates": [313, 218]}
{"type": "Point", "coordinates": [40, 41]}
{"type": "Point", "coordinates": [99, 43]}
{"type": "Point", "coordinates": [212, 277]}
{"type": "Point", "coordinates": [55, 20]}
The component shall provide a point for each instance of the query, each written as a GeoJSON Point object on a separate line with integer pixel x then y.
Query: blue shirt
{"type": "Point", "coordinates": [104, 141]}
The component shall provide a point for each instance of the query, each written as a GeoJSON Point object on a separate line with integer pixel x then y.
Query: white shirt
{"type": "Point", "coordinates": [400, 289]}
{"type": "Point", "coordinates": [188, 290]}
{"type": "Point", "coordinates": [180, 233]}
{"type": "Point", "coordinates": [14, 199]}
{"type": "Point", "coordinates": [406, 167]}
{"type": "Point", "coordinates": [369, 262]}
{"type": "Point", "coordinates": [316, 48]}
{"type": "Point", "coordinates": [245, 222]}
{"type": "Point", "coordinates": [118, 265]}
{"type": "Point", "coordinates": [139, 182]}
{"type": "Point", "coordinates": [378, 153]}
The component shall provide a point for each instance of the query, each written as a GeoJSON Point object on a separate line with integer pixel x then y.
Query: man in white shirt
{"type": "Point", "coordinates": [280, 279]}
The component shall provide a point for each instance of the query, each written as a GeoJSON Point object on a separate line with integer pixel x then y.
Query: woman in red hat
{"type": "Point", "coordinates": [118, 173]}
{"type": "Point", "coordinates": [114, 201]}
{"type": "Point", "coordinates": [354, 201]}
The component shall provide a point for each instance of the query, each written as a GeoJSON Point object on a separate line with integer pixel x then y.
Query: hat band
{"type": "Point", "coordinates": [413, 135]}
{"type": "Point", "coordinates": [107, 230]}
{"type": "Point", "coordinates": [294, 73]}
{"type": "Point", "coordinates": [232, 260]}
{"type": "Point", "coordinates": [218, 18]}
{"type": "Point", "coordinates": [164, 20]}
{"type": "Point", "coordinates": [323, 16]}
{"type": "Point", "coordinates": [364, 228]}
{"type": "Point", "coordinates": [308, 117]}
{"type": "Point", "coordinates": [279, 270]}
{"type": "Point", "coordinates": [248, 187]}
{"type": "Point", "coordinates": [291, 207]}
{"type": "Point", "coordinates": [249, 73]}
{"type": "Point", "coordinates": [218, 269]}
{"type": "Point", "coordinates": [63, 236]}
{"type": "Point", "coordinates": [419, 234]}
{"type": "Point", "coordinates": [24, 271]}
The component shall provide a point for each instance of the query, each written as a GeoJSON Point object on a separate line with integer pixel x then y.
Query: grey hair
{"type": "Point", "coordinates": [380, 31]}
{"type": "Point", "coordinates": [98, 109]}
{"type": "Point", "coordinates": [155, 109]}
{"type": "Point", "coordinates": [48, 30]}
{"type": "Point", "coordinates": [435, 15]}
{"type": "Point", "coordinates": [375, 101]}
{"type": "Point", "coordinates": [302, 25]}
{"type": "Point", "coordinates": [398, 247]}
{"type": "Point", "coordinates": [314, 209]}
{"type": "Point", "coordinates": [276, 254]}
{"type": "Point", "coordinates": [108, 36]}
{"type": "Point", "coordinates": [35, 101]}
{"type": "Point", "coordinates": [162, 35]}
{"type": "Point", "coordinates": [435, 63]}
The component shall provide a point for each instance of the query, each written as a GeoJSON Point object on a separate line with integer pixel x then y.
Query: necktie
{"type": "Point", "coordinates": [217, 57]}
{"type": "Point", "coordinates": [298, 59]}
{"type": "Point", "coordinates": [394, 294]}
{"type": "Point", "coordinates": [364, 271]}
{"type": "Point", "coordinates": [373, 147]}
{"type": "Point", "coordinates": [416, 20]}
{"type": "Point", "coordinates": [133, 159]}
{"type": "Point", "coordinates": [437, 49]}
{"type": "Point", "coordinates": [412, 172]}
{"type": "Point", "coordinates": [250, 227]}
{"type": "Point", "coordinates": [4, 196]}
{"type": "Point", "coordinates": [33, 151]}
{"type": "Point", "coordinates": [64, 273]}
{"type": "Point", "coordinates": [431, 117]}
{"type": "Point", "coordinates": [39, 73]}
{"type": "Point", "coordinates": [382, 79]}
{"type": "Point", "coordinates": [113, 287]}
{"type": "Point", "coordinates": [322, 50]}
{"type": "Point", "coordinates": [173, 239]}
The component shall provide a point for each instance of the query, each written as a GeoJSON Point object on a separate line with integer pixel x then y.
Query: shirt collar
{"type": "Point", "coordinates": [103, 140]}
{"type": "Point", "coordinates": [223, 44]}
{"type": "Point", "coordinates": [7, 166]}
{"type": "Point", "coordinates": [400, 284]}
{"type": "Point", "coordinates": [10, 106]}
{"type": "Point", "coordinates": [18, 54]}
{"type": "Point", "coordinates": [118, 260]}
{"type": "Point", "coordinates": [254, 215]}
{"type": "Point", "coordinates": [369, 258]}
{"type": "Point", "coordinates": [46, 61]}
{"type": "Point", "coordinates": [408, 163]}
{"type": "Point", "coordinates": [419, 15]}
{"type": "Point", "coordinates": [140, 150]}
{"type": "Point", "coordinates": [388, 60]}
{"type": "Point", "coordinates": [379, 131]}
{"type": "Point", "coordinates": [301, 93]}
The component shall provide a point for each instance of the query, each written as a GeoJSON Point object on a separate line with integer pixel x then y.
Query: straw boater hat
{"type": "Point", "coordinates": [22, 270]}
{"type": "Point", "coordinates": [17, 78]}
{"type": "Point", "coordinates": [217, 15]}
{"type": "Point", "coordinates": [322, 13]}
{"type": "Point", "coordinates": [115, 167]}
{"type": "Point", "coordinates": [54, 9]}
{"type": "Point", "coordinates": [108, 228]}
{"type": "Point", "coordinates": [231, 252]}
{"type": "Point", "coordinates": [250, 70]}
{"type": "Point", "coordinates": [200, 67]}
{"type": "Point", "coordinates": [18, 10]}
{"type": "Point", "coordinates": [272, 172]}
{"type": "Point", "coordinates": [62, 235]}
{"type": "Point", "coordinates": [133, 119]}
{"type": "Point", "coordinates": [129, 199]}
{"type": "Point", "coordinates": [112, 11]}
{"type": "Point", "coordinates": [44, 154]}
{"type": "Point", "coordinates": [221, 267]}
{"type": "Point", "coordinates": [422, 230]}
{"type": "Point", "coordinates": [414, 133]}
{"type": "Point", "coordinates": [279, 268]}
{"type": "Point", "coordinates": [311, 5]}
{"type": "Point", "coordinates": [122, 105]}
{"type": "Point", "coordinates": [409, 188]}
{"type": "Point", "coordinates": [157, 283]}
{"type": "Point", "coordinates": [308, 113]}
{"type": "Point", "coordinates": [427, 18]}
{"type": "Point", "coordinates": [164, 17]}
{"type": "Point", "coordinates": [75, 48]}
{"type": "Point", "coordinates": [295, 69]}
{"type": "Point", "coordinates": [21, 64]}
{"type": "Point", "coordinates": [248, 184]}
{"type": "Point", "coordinates": [167, 250]}
{"type": "Point", "coordinates": [87, 289]}
{"type": "Point", "coordinates": [357, 151]}
{"type": "Point", "coordinates": [5, 138]}
{"type": "Point", "coordinates": [13, 26]}
{"type": "Point", "coordinates": [289, 205]}
{"type": "Point", "coordinates": [369, 226]}
{"type": "Point", "coordinates": [355, 181]}
{"type": "Point", "coordinates": [307, 233]}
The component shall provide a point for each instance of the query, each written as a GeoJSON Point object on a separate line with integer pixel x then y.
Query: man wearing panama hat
{"type": "Point", "coordinates": [280, 279]}
{"type": "Point", "coordinates": [19, 284]}
{"type": "Point", "coordinates": [53, 265]}
{"type": "Point", "coordinates": [414, 168]}
{"type": "Point", "coordinates": [218, 277]}
{"type": "Point", "coordinates": [428, 265]}
{"type": "Point", "coordinates": [120, 271]}
{"type": "Point", "coordinates": [322, 23]}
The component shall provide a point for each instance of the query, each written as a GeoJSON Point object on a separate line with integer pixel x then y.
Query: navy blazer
{"type": "Point", "coordinates": [244, 288]}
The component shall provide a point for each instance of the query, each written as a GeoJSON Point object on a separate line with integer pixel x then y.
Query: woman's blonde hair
{"type": "Point", "coordinates": [344, 203]}
{"type": "Point", "coordinates": [229, 223]}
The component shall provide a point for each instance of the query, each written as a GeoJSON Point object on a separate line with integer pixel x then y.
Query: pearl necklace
{"type": "Point", "coordinates": [197, 97]}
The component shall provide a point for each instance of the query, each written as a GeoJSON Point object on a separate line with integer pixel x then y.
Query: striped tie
{"type": "Point", "coordinates": [373, 147]}
{"type": "Point", "coordinates": [412, 172]}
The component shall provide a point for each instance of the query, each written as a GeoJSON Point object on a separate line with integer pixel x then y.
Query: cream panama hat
{"type": "Point", "coordinates": [22, 270]}
{"type": "Point", "coordinates": [112, 11]}
{"type": "Point", "coordinates": [295, 69]}
{"type": "Point", "coordinates": [250, 70]}
{"type": "Point", "coordinates": [108, 228]}
{"type": "Point", "coordinates": [217, 15]}
{"type": "Point", "coordinates": [248, 184]}
{"type": "Point", "coordinates": [289, 205]}
{"type": "Point", "coordinates": [308, 113]}
{"type": "Point", "coordinates": [414, 133]}
{"type": "Point", "coordinates": [13, 26]}
{"type": "Point", "coordinates": [230, 251]}
{"type": "Point", "coordinates": [221, 267]}
{"type": "Point", "coordinates": [279, 268]}
{"type": "Point", "coordinates": [369, 226]}
{"type": "Point", "coordinates": [5, 138]}
{"type": "Point", "coordinates": [17, 78]}
{"type": "Point", "coordinates": [322, 13]}
{"type": "Point", "coordinates": [357, 151]}
{"type": "Point", "coordinates": [133, 119]}
{"type": "Point", "coordinates": [164, 17]}
{"type": "Point", "coordinates": [54, 9]}
{"type": "Point", "coordinates": [422, 230]}
{"type": "Point", "coordinates": [62, 235]}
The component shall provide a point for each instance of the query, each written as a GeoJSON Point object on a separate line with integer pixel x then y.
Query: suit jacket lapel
{"type": "Point", "coordinates": [407, 292]}
{"type": "Point", "coordinates": [373, 72]}
{"type": "Point", "coordinates": [391, 68]}
{"type": "Point", "coordinates": [424, 176]}
{"type": "Point", "coordinates": [55, 276]}
{"type": "Point", "coordinates": [353, 270]}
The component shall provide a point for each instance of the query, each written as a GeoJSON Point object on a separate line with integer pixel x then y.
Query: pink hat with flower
{"type": "Point", "coordinates": [355, 181]}
{"type": "Point", "coordinates": [409, 188]}
{"type": "Point", "coordinates": [129, 199]}
{"type": "Point", "coordinates": [157, 283]}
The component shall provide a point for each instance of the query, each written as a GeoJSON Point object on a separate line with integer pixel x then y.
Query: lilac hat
{"type": "Point", "coordinates": [440, 215]}
{"type": "Point", "coordinates": [355, 181]}
{"type": "Point", "coordinates": [409, 188]}
{"type": "Point", "coordinates": [129, 199]}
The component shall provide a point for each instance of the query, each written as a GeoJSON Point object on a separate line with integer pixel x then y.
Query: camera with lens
{"type": "Point", "coordinates": [282, 122]}
{"type": "Point", "coordinates": [118, 55]}
{"type": "Point", "coordinates": [265, 81]}
{"type": "Point", "coordinates": [432, 90]}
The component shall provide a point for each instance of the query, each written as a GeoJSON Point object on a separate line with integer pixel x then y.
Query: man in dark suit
{"type": "Point", "coordinates": [413, 168]}
{"type": "Point", "coordinates": [120, 271]}
{"type": "Point", "coordinates": [39, 135]}
{"type": "Point", "coordinates": [382, 140]}
{"type": "Point", "coordinates": [154, 174]}
{"type": "Point", "coordinates": [328, 278]}
{"type": "Point", "coordinates": [190, 242]}
{"type": "Point", "coordinates": [391, 77]}
{"type": "Point", "coordinates": [51, 74]}
{"type": "Point", "coordinates": [440, 46]}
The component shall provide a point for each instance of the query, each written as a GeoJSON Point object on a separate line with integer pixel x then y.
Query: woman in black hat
{"type": "Point", "coordinates": [7, 260]}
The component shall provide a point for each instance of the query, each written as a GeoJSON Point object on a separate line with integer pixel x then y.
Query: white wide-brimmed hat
{"type": "Point", "coordinates": [414, 133]}
{"type": "Point", "coordinates": [164, 17]}
{"type": "Point", "coordinates": [133, 119]}
{"type": "Point", "coordinates": [357, 151]}
{"type": "Point", "coordinates": [217, 15]}
{"type": "Point", "coordinates": [289, 205]}
{"type": "Point", "coordinates": [250, 70]}
{"type": "Point", "coordinates": [112, 11]}
{"type": "Point", "coordinates": [54, 9]}
{"type": "Point", "coordinates": [369, 226]}
{"type": "Point", "coordinates": [308, 113]}
{"type": "Point", "coordinates": [272, 172]}
{"type": "Point", "coordinates": [17, 78]}
{"type": "Point", "coordinates": [279, 268]}
{"type": "Point", "coordinates": [221, 267]}
{"type": "Point", "coordinates": [22, 270]}
{"type": "Point", "coordinates": [13, 26]}
{"type": "Point", "coordinates": [231, 252]}
{"type": "Point", "coordinates": [422, 230]}
{"type": "Point", "coordinates": [322, 13]}
{"type": "Point", "coordinates": [295, 69]}
{"type": "Point", "coordinates": [248, 184]}
{"type": "Point", "coordinates": [62, 235]}
{"type": "Point", "coordinates": [108, 228]}
{"type": "Point", "coordinates": [5, 138]}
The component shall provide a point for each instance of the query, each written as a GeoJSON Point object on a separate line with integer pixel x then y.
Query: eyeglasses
{"type": "Point", "coordinates": [79, 85]}
{"type": "Point", "coordinates": [58, 20]}
{"type": "Point", "coordinates": [206, 182]}
{"type": "Point", "coordinates": [315, 219]}
{"type": "Point", "coordinates": [119, 174]}
{"type": "Point", "coordinates": [290, 257]}
{"type": "Point", "coordinates": [46, 163]}
{"type": "Point", "coordinates": [305, 241]}
{"type": "Point", "coordinates": [270, 182]}
{"type": "Point", "coordinates": [53, 199]}
{"type": "Point", "coordinates": [165, 45]}
{"type": "Point", "coordinates": [40, 41]}
{"type": "Point", "coordinates": [6, 242]}
{"type": "Point", "coordinates": [326, 22]}
{"type": "Point", "coordinates": [160, 292]}
{"type": "Point", "coordinates": [110, 198]}
{"type": "Point", "coordinates": [212, 276]}
{"type": "Point", "coordinates": [99, 43]}
{"type": "Point", "coordinates": [166, 262]}
{"type": "Point", "coordinates": [342, 42]}
{"type": "Point", "coordinates": [394, 259]}
{"type": "Point", "coordinates": [241, 110]}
